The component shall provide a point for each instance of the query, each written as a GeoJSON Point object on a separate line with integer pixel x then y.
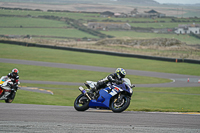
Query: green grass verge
{"type": "Point", "coordinates": [180, 99]}
{"type": "Point", "coordinates": [29, 72]}
{"type": "Point", "coordinates": [143, 99]}
{"type": "Point", "coordinates": [69, 57]}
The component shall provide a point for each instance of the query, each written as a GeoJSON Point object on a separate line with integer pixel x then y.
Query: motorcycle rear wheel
{"type": "Point", "coordinates": [118, 107]}
{"type": "Point", "coordinates": [81, 103]}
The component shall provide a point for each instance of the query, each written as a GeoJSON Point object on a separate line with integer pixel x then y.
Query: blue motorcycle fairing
{"type": "Point", "coordinates": [122, 87]}
{"type": "Point", "coordinates": [103, 99]}
{"type": "Point", "coordinates": [106, 94]}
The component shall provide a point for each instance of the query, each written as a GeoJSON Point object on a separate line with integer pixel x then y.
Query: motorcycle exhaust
{"type": "Point", "coordinates": [84, 92]}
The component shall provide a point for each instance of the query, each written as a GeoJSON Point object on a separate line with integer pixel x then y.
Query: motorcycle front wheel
{"type": "Point", "coordinates": [81, 103]}
{"type": "Point", "coordinates": [10, 98]}
{"type": "Point", "coordinates": [119, 106]}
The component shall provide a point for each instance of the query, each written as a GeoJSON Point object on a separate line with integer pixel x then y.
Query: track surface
{"type": "Point", "coordinates": [46, 118]}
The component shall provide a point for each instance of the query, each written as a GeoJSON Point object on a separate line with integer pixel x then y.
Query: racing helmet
{"type": "Point", "coordinates": [15, 71]}
{"type": "Point", "coordinates": [121, 73]}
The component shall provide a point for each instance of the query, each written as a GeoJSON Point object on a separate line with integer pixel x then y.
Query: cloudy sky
{"type": "Point", "coordinates": [179, 1]}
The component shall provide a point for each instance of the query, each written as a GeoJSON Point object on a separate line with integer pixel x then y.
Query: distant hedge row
{"type": "Point", "coordinates": [80, 26]}
{"type": "Point", "coordinates": [195, 35]}
{"type": "Point", "coordinates": [75, 23]}
{"type": "Point", "coordinates": [72, 11]}
{"type": "Point", "coordinates": [178, 20]}
{"type": "Point", "coordinates": [25, 9]}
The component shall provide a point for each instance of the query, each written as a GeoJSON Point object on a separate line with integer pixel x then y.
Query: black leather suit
{"type": "Point", "coordinates": [113, 78]}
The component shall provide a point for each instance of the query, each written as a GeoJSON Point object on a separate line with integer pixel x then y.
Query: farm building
{"type": "Point", "coordinates": [150, 14]}
{"type": "Point", "coordinates": [107, 14]}
{"type": "Point", "coordinates": [187, 29]}
{"type": "Point", "coordinates": [120, 15]}
{"type": "Point", "coordinates": [108, 26]}
{"type": "Point", "coordinates": [153, 13]}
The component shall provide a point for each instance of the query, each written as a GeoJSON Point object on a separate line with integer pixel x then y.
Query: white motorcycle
{"type": "Point", "coordinates": [6, 93]}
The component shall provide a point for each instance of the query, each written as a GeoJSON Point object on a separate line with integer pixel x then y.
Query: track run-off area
{"type": "Point", "coordinates": [49, 118]}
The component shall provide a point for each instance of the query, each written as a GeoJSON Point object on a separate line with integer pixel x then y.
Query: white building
{"type": "Point", "coordinates": [187, 29]}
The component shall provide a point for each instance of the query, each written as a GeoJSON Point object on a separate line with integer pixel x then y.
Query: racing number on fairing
{"type": "Point", "coordinates": [116, 88]}
{"type": "Point", "coordinates": [114, 91]}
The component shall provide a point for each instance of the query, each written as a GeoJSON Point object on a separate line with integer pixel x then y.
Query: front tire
{"type": "Point", "coordinates": [81, 103]}
{"type": "Point", "coordinates": [120, 106]}
{"type": "Point", "coordinates": [10, 98]}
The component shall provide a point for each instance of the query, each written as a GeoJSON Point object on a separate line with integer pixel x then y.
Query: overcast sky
{"type": "Point", "coordinates": [179, 1]}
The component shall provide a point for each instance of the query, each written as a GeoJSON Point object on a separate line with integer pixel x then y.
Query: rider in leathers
{"type": "Point", "coordinates": [15, 79]}
{"type": "Point", "coordinates": [113, 78]}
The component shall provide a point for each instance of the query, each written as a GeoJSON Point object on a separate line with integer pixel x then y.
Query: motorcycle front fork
{"type": "Point", "coordinates": [118, 98]}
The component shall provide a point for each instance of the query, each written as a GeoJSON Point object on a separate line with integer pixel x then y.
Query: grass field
{"type": "Point", "coordinates": [181, 99]}
{"type": "Point", "coordinates": [84, 18]}
{"type": "Point", "coordinates": [46, 32]}
{"type": "Point", "coordinates": [139, 35]}
{"type": "Point", "coordinates": [30, 22]}
{"type": "Point", "coordinates": [159, 25]}
{"type": "Point", "coordinates": [181, 53]}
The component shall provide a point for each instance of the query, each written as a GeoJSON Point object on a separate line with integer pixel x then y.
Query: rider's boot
{"type": "Point", "coordinates": [92, 90]}
{"type": "Point", "coordinates": [4, 97]}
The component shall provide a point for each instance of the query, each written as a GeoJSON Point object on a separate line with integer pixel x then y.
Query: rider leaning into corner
{"type": "Point", "coordinates": [15, 79]}
{"type": "Point", "coordinates": [113, 78]}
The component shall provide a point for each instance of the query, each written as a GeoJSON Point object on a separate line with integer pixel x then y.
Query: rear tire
{"type": "Point", "coordinates": [118, 107]}
{"type": "Point", "coordinates": [81, 103]}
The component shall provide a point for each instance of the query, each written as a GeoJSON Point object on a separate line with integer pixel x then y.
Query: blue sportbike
{"type": "Point", "coordinates": [115, 97]}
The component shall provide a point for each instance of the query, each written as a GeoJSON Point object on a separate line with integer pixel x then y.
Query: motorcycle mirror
{"type": "Point", "coordinates": [132, 86]}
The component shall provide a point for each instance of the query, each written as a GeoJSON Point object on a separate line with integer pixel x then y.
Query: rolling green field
{"type": "Point", "coordinates": [169, 25]}
{"type": "Point", "coordinates": [54, 27]}
{"type": "Point", "coordinates": [30, 22]}
{"type": "Point", "coordinates": [88, 16]}
{"type": "Point", "coordinates": [182, 99]}
{"type": "Point", "coordinates": [46, 32]}
{"type": "Point", "coordinates": [139, 35]}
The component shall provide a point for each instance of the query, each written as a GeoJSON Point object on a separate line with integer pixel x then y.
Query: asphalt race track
{"type": "Point", "coordinates": [45, 118]}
